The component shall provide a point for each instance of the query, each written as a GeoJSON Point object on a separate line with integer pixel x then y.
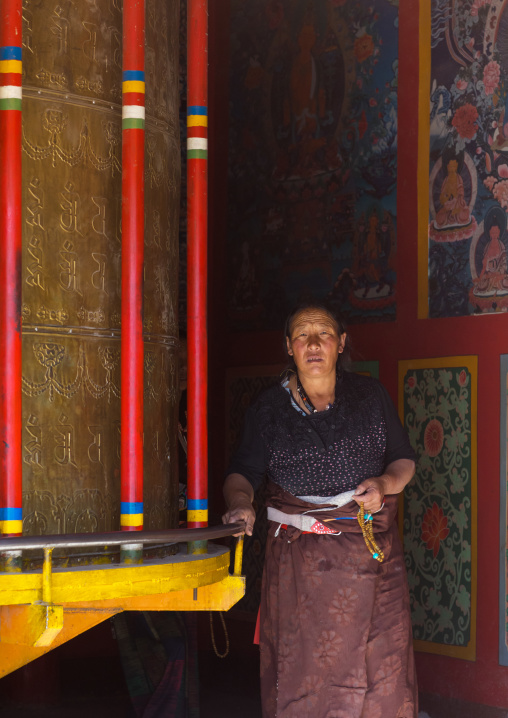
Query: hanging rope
{"type": "Point", "coordinates": [219, 655]}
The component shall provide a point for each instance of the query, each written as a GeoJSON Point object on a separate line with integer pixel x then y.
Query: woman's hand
{"type": "Point", "coordinates": [241, 512]}
{"type": "Point", "coordinates": [239, 496]}
{"type": "Point", "coordinates": [371, 493]}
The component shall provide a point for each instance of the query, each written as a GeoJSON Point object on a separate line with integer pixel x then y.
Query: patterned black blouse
{"type": "Point", "coordinates": [325, 453]}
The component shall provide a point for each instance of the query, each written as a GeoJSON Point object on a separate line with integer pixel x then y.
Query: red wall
{"type": "Point", "coordinates": [482, 681]}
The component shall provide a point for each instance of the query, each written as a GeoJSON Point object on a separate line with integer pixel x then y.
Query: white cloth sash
{"type": "Point", "coordinates": [309, 523]}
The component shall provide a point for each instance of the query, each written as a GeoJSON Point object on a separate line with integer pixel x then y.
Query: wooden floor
{"type": "Point", "coordinates": [84, 679]}
{"type": "Point", "coordinates": [438, 707]}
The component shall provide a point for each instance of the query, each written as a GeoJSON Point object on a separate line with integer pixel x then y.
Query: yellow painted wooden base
{"type": "Point", "coordinates": [84, 597]}
{"type": "Point", "coordinates": [94, 583]}
{"type": "Point", "coordinates": [36, 625]}
{"type": "Point", "coordinates": [218, 596]}
{"type": "Point", "coordinates": [14, 656]}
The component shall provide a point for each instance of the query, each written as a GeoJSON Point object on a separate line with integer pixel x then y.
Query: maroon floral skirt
{"type": "Point", "coordinates": [335, 629]}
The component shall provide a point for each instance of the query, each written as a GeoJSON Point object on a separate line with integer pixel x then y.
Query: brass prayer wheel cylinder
{"type": "Point", "coordinates": [71, 268]}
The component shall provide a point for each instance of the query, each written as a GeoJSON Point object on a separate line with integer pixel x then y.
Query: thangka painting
{"type": "Point", "coordinates": [243, 385]}
{"type": "Point", "coordinates": [466, 268]}
{"type": "Point", "coordinates": [312, 158]}
{"type": "Point", "coordinates": [437, 404]}
{"type": "Point", "coordinates": [503, 554]}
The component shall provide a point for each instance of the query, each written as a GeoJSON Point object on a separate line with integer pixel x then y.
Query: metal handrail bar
{"type": "Point", "coordinates": [118, 538]}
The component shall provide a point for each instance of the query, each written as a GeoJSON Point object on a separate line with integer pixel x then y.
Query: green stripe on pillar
{"type": "Point", "coordinates": [10, 103]}
{"type": "Point", "coordinates": [132, 123]}
{"type": "Point", "coordinates": [197, 154]}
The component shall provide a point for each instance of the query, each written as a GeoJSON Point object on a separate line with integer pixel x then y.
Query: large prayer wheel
{"type": "Point", "coordinates": [71, 269]}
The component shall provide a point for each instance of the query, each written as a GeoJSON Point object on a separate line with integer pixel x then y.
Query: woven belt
{"type": "Point", "coordinates": [285, 526]}
{"type": "Point", "coordinates": [306, 523]}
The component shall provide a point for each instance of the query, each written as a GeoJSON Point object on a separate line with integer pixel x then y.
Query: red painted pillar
{"type": "Point", "coordinates": [133, 220]}
{"type": "Point", "coordinates": [10, 267]}
{"type": "Point", "coordinates": [197, 339]}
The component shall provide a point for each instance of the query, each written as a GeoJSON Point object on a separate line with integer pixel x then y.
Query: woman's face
{"type": "Point", "coordinates": [314, 342]}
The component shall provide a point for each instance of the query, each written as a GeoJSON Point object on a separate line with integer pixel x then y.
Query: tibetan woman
{"type": "Point", "coordinates": [335, 631]}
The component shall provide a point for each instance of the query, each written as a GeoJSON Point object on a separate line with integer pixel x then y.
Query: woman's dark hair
{"type": "Point", "coordinates": [344, 359]}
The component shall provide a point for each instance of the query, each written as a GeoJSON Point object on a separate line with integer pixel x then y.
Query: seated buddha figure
{"type": "Point", "coordinates": [454, 210]}
{"type": "Point", "coordinates": [493, 278]}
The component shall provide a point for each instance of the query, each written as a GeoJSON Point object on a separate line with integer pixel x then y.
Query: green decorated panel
{"type": "Point", "coordinates": [439, 505]}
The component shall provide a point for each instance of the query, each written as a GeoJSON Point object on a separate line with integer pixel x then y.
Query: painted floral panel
{"type": "Point", "coordinates": [437, 504]}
